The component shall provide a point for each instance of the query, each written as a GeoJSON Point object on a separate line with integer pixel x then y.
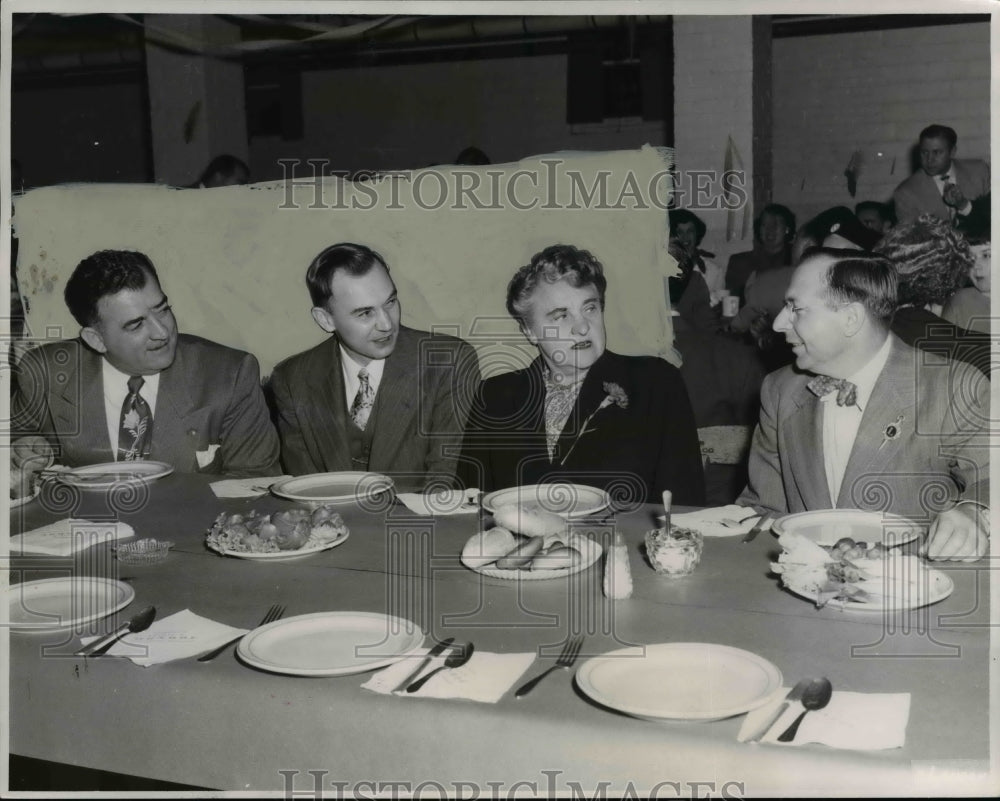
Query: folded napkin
{"type": "Point", "coordinates": [244, 487]}
{"type": "Point", "coordinates": [66, 537]}
{"type": "Point", "coordinates": [443, 502]}
{"type": "Point", "coordinates": [855, 721]}
{"type": "Point", "coordinates": [708, 521]}
{"type": "Point", "coordinates": [178, 636]}
{"type": "Point", "coordinates": [485, 677]}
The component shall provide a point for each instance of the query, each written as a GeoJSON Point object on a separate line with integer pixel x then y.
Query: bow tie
{"type": "Point", "coordinates": [847, 393]}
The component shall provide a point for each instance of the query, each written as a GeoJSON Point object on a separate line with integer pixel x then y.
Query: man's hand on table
{"type": "Point", "coordinates": [28, 456]}
{"type": "Point", "coordinates": [958, 534]}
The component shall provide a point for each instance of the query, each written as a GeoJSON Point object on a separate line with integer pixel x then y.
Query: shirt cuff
{"type": "Point", "coordinates": [984, 512]}
{"type": "Point", "coordinates": [966, 209]}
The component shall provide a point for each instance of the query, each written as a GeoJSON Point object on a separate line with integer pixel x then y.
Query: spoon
{"type": "Point", "coordinates": [458, 657]}
{"type": "Point", "coordinates": [816, 696]}
{"type": "Point", "coordinates": [141, 621]}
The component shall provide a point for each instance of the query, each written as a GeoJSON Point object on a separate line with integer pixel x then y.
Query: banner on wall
{"type": "Point", "coordinates": [232, 260]}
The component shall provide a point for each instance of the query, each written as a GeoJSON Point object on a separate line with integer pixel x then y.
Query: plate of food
{"type": "Point", "coordinates": [566, 500]}
{"type": "Point", "coordinates": [63, 603]}
{"type": "Point", "coordinates": [278, 537]}
{"type": "Point", "coordinates": [690, 681]}
{"type": "Point", "coordinates": [110, 474]}
{"type": "Point", "coordinates": [829, 526]}
{"type": "Point", "coordinates": [876, 580]}
{"type": "Point", "coordinates": [530, 545]}
{"type": "Point", "coordinates": [333, 488]}
{"type": "Point", "coordinates": [330, 643]}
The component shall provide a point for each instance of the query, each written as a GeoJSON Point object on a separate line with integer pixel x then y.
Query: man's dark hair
{"type": "Point", "coordinates": [777, 209]}
{"type": "Point", "coordinates": [940, 132]}
{"type": "Point", "coordinates": [883, 210]}
{"type": "Point", "coordinates": [557, 262]}
{"type": "Point", "coordinates": [856, 277]}
{"type": "Point", "coordinates": [106, 272]}
{"type": "Point", "coordinates": [354, 259]}
{"type": "Point", "coordinates": [225, 170]}
{"type": "Point", "coordinates": [679, 216]}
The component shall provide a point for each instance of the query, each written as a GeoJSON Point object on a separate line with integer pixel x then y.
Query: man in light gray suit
{"type": "Point", "coordinates": [943, 186]}
{"type": "Point", "coordinates": [375, 395]}
{"type": "Point", "coordinates": [864, 421]}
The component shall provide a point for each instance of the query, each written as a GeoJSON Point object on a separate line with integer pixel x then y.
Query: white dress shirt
{"type": "Point", "coordinates": [116, 390]}
{"type": "Point", "coordinates": [840, 423]}
{"type": "Point", "coordinates": [352, 383]}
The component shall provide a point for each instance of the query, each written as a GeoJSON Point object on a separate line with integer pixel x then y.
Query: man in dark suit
{"type": "Point", "coordinates": [579, 412]}
{"type": "Point", "coordinates": [865, 421]}
{"type": "Point", "coordinates": [375, 395]}
{"type": "Point", "coordinates": [943, 186]}
{"type": "Point", "coordinates": [131, 387]}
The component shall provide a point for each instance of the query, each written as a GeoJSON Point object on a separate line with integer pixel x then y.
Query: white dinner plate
{"type": "Point", "coordinates": [565, 500]}
{"type": "Point", "coordinates": [15, 502]}
{"type": "Point", "coordinates": [828, 526]}
{"type": "Point", "coordinates": [110, 474]}
{"type": "Point", "coordinates": [282, 556]}
{"type": "Point", "coordinates": [589, 550]}
{"type": "Point", "coordinates": [692, 681]}
{"type": "Point", "coordinates": [333, 488]}
{"type": "Point", "coordinates": [63, 603]}
{"type": "Point", "coordinates": [925, 586]}
{"type": "Point", "coordinates": [330, 643]}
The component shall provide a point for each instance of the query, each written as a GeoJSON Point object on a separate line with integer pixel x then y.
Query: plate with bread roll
{"type": "Point", "coordinates": [568, 501]}
{"type": "Point", "coordinates": [529, 544]}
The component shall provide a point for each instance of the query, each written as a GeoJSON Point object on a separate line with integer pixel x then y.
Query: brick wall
{"type": "Point", "coordinates": [873, 92]}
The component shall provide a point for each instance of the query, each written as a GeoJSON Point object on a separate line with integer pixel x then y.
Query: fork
{"type": "Point", "coordinates": [566, 659]}
{"type": "Point", "coordinates": [273, 614]}
{"type": "Point", "coordinates": [728, 522]}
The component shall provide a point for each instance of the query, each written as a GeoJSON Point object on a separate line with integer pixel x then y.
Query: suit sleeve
{"type": "Point", "coordinates": [680, 467]}
{"type": "Point", "coordinates": [474, 466]}
{"type": "Point", "coordinates": [295, 456]}
{"type": "Point", "coordinates": [765, 489]}
{"type": "Point", "coordinates": [449, 414]}
{"type": "Point", "coordinates": [905, 205]}
{"type": "Point", "coordinates": [29, 405]}
{"type": "Point", "coordinates": [249, 441]}
{"type": "Point", "coordinates": [966, 435]}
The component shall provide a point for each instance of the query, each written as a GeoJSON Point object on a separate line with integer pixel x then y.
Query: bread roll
{"type": "Point", "coordinates": [529, 521]}
{"type": "Point", "coordinates": [557, 558]}
{"type": "Point", "coordinates": [487, 547]}
{"type": "Point", "coordinates": [521, 555]}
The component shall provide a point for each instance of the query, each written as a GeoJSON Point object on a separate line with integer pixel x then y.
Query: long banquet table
{"type": "Point", "coordinates": [225, 725]}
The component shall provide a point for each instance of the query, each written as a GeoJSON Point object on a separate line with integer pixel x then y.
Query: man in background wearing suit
{"type": "Point", "coordinates": [943, 186]}
{"type": "Point", "coordinates": [132, 388]}
{"type": "Point", "coordinates": [867, 422]}
{"type": "Point", "coordinates": [375, 395]}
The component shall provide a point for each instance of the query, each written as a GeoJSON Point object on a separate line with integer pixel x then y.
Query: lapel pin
{"type": "Point", "coordinates": [891, 431]}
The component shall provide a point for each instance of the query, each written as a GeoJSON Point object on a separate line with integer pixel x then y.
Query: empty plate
{"type": "Point", "coordinates": [566, 500]}
{"type": "Point", "coordinates": [110, 474]}
{"type": "Point", "coordinates": [828, 526]}
{"type": "Point", "coordinates": [345, 487]}
{"type": "Point", "coordinates": [330, 643]}
{"type": "Point", "coordinates": [680, 681]}
{"type": "Point", "coordinates": [63, 603]}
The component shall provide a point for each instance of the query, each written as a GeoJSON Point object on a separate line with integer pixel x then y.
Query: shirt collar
{"type": "Point", "coordinates": [352, 367]}
{"type": "Point", "coordinates": [113, 377]}
{"type": "Point", "coordinates": [864, 379]}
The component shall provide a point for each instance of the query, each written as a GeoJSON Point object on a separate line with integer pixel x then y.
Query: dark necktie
{"type": "Point", "coordinates": [363, 401]}
{"type": "Point", "coordinates": [847, 393]}
{"type": "Point", "coordinates": [135, 430]}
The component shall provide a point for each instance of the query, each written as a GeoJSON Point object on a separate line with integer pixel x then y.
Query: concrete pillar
{"type": "Point", "coordinates": [714, 99]}
{"type": "Point", "coordinates": [196, 102]}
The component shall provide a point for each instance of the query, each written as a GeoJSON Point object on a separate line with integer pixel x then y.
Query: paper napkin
{"type": "Point", "coordinates": [443, 502]}
{"type": "Point", "coordinates": [179, 636]}
{"type": "Point", "coordinates": [485, 677]}
{"type": "Point", "coordinates": [66, 537]}
{"type": "Point", "coordinates": [708, 521]}
{"type": "Point", "coordinates": [855, 721]}
{"type": "Point", "coordinates": [244, 487]}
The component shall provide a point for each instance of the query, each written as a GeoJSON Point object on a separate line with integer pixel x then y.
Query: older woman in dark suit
{"type": "Point", "coordinates": [579, 412]}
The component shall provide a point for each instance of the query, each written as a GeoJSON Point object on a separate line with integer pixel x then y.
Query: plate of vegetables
{"type": "Point", "coordinates": [278, 537]}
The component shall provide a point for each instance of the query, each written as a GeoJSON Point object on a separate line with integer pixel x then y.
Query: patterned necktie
{"type": "Point", "coordinates": [847, 393]}
{"type": "Point", "coordinates": [135, 429]}
{"type": "Point", "coordinates": [363, 401]}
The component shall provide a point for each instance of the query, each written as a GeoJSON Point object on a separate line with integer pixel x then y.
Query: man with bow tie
{"type": "Point", "coordinates": [943, 186]}
{"type": "Point", "coordinates": [376, 395]}
{"type": "Point", "coordinates": [132, 388]}
{"type": "Point", "coordinates": [864, 421]}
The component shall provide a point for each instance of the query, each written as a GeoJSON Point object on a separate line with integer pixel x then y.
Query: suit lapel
{"type": "Point", "coordinates": [592, 394]}
{"type": "Point", "coordinates": [78, 410]}
{"type": "Point", "coordinates": [873, 448]}
{"type": "Point", "coordinates": [804, 445]}
{"type": "Point", "coordinates": [174, 440]}
{"type": "Point", "coordinates": [326, 409]}
{"type": "Point", "coordinates": [398, 399]}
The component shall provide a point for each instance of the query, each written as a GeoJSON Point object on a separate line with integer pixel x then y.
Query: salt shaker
{"type": "Point", "coordinates": [617, 573]}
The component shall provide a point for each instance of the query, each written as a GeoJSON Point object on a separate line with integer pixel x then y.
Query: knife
{"type": "Point", "coordinates": [794, 695]}
{"type": "Point", "coordinates": [761, 525]}
{"type": "Point", "coordinates": [437, 650]}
